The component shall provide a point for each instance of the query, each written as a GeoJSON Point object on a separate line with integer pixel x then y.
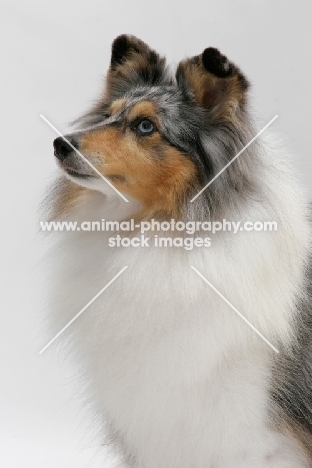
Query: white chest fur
{"type": "Point", "coordinates": [182, 380]}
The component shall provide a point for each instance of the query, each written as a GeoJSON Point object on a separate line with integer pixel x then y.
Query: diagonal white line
{"type": "Point", "coordinates": [235, 310]}
{"type": "Point", "coordinates": [235, 157]}
{"type": "Point", "coordinates": [82, 310]}
{"type": "Point", "coordinates": [84, 158]}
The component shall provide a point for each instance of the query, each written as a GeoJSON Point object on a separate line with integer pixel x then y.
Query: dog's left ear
{"type": "Point", "coordinates": [216, 83]}
{"type": "Point", "coordinates": [133, 63]}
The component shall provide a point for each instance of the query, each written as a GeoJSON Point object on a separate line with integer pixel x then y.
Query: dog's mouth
{"type": "Point", "coordinates": [69, 166]}
{"type": "Point", "coordinates": [74, 173]}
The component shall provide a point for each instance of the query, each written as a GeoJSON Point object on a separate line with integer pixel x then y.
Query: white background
{"type": "Point", "coordinates": [53, 56]}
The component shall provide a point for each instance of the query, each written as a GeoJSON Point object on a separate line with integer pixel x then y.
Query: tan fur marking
{"type": "Point", "coordinates": [144, 108]}
{"type": "Point", "coordinates": [220, 95]}
{"type": "Point", "coordinates": [135, 62]}
{"type": "Point", "coordinates": [117, 105]}
{"type": "Point", "coordinates": [149, 169]}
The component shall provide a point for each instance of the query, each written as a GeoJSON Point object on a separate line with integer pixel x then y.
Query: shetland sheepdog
{"type": "Point", "coordinates": [177, 379]}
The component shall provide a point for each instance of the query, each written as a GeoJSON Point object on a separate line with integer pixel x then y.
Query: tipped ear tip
{"type": "Point", "coordinates": [123, 45]}
{"type": "Point", "coordinates": [216, 63]}
{"type": "Point", "coordinates": [120, 37]}
{"type": "Point", "coordinates": [120, 48]}
{"type": "Point", "coordinates": [120, 41]}
{"type": "Point", "coordinates": [212, 51]}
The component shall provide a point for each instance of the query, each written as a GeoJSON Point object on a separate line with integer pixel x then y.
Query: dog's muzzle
{"type": "Point", "coordinates": [69, 160]}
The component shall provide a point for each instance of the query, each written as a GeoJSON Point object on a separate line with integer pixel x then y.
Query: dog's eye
{"type": "Point", "coordinates": [145, 127]}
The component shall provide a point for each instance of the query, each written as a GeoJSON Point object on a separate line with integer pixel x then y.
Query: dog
{"type": "Point", "coordinates": [177, 379]}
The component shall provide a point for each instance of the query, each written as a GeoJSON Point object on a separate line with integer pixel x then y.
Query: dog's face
{"type": "Point", "coordinates": [155, 137]}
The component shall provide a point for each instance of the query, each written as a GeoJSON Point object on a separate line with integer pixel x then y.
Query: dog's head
{"type": "Point", "coordinates": [156, 137]}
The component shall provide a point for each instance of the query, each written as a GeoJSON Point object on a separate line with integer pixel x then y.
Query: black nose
{"type": "Point", "coordinates": [62, 149]}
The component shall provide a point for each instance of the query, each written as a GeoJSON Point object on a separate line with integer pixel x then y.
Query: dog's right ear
{"type": "Point", "coordinates": [125, 46]}
{"type": "Point", "coordinates": [133, 63]}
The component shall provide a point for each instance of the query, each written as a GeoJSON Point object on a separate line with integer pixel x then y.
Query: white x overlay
{"type": "Point", "coordinates": [235, 310]}
{"type": "Point", "coordinates": [83, 309]}
{"type": "Point", "coordinates": [232, 160]}
{"type": "Point", "coordinates": [193, 199]}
